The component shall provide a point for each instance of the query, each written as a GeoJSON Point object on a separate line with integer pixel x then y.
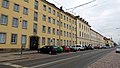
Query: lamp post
{"type": "Point", "coordinates": [21, 42]}
{"type": "Point", "coordinates": [118, 40]}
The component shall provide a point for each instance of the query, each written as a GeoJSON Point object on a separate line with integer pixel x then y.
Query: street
{"type": "Point", "coordinates": [72, 60]}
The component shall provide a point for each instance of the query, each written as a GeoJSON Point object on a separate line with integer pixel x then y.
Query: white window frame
{"type": "Point", "coordinates": [15, 22]}
{"type": "Point", "coordinates": [24, 39]}
{"type": "Point", "coordinates": [25, 10]}
{"type": "Point", "coordinates": [2, 38]}
{"type": "Point", "coordinates": [14, 38]}
{"type": "Point", "coordinates": [5, 3]}
{"type": "Point", "coordinates": [24, 24]}
{"type": "Point", "coordinates": [16, 7]}
{"type": "Point", "coordinates": [4, 19]}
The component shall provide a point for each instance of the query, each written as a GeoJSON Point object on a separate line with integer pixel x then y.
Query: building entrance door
{"type": "Point", "coordinates": [34, 42]}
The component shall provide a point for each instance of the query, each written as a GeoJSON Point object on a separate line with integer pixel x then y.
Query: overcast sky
{"type": "Point", "coordinates": [102, 15]}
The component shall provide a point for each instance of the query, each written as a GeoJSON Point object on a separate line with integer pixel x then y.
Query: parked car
{"type": "Point", "coordinates": [96, 47]}
{"type": "Point", "coordinates": [48, 49]}
{"type": "Point", "coordinates": [80, 47]}
{"type": "Point", "coordinates": [59, 49]}
{"type": "Point", "coordinates": [66, 48]}
{"type": "Point", "coordinates": [73, 48]}
{"type": "Point", "coordinates": [118, 49]}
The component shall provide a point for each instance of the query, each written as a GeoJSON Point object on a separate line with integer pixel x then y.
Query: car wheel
{"type": "Point", "coordinates": [50, 52]}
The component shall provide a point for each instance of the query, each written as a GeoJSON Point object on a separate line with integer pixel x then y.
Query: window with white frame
{"type": "Point", "coordinates": [53, 41]}
{"type": "Point", "coordinates": [15, 22]}
{"type": "Point", "coordinates": [57, 22]}
{"type": "Point", "coordinates": [54, 12]}
{"type": "Point", "coordinates": [44, 29]}
{"type": "Point", "coordinates": [24, 38]}
{"type": "Point", "coordinates": [49, 30]}
{"type": "Point", "coordinates": [44, 7]}
{"type": "Point", "coordinates": [49, 19]}
{"type": "Point", "coordinates": [57, 31]}
{"type": "Point", "coordinates": [14, 38]}
{"type": "Point", "coordinates": [53, 31]}
{"type": "Point", "coordinates": [2, 38]}
{"type": "Point", "coordinates": [53, 20]}
{"type": "Point", "coordinates": [25, 11]}
{"type": "Point", "coordinates": [49, 9]}
{"type": "Point", "coordinates": [44, 17]}
{"type": "Point", "coordinates": [35, 28]}
{"type": "Point", "coordinates": [61, 32]}
{"type": "Point", "coordinates": [49, 41]}
{"type": "Point", "coordinates": [64, 33]}
{"type": "Point", "coordinates": [4, 19]}
{"type": "Point", "coordinates": [24, 24]}
{"type": "Point", "coordinates": [35, 16]}
{"type": "Point", "coordinates": [36, 5]}
{"type": "Point", "coordinates": [16, 7]}
{"type": "Point", "coordinates": [5, 3]}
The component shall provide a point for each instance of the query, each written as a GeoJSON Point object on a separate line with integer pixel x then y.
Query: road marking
{"type": "Point", "coordinates": [14, 65]}
{"type": "Point", "coordinates": [54, 61]}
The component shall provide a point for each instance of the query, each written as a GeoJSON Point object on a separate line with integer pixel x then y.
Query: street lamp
{"type": "Point", "coordinates": [21, 42]}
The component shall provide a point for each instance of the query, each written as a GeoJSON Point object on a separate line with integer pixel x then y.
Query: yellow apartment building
{"type": "Point", "coordinates": [30, 24]}
{"type": "Point", "coordinates": [83, 31]}
{"type": "Point", "coordinates": [96, 39]}
{"type": "Point", "coordinates": [108, 41]}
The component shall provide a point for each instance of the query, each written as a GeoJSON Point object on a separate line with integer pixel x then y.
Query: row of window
{"type": "Point", "coordinates": [58, 14]}
{"type": "Point", "coordinates": [15, 21]}
{"type": "Point", "coordinates": [4, 21]}
{"type": "Point", "coordinates": [82, 34]}
{"type": "Point", "coordinates": [57, 22]}
{"type": "Point", "coordinates": [53, 41]}
{"type": "Point", "coordinates": [83, 27]}
{"type": "Point", "coordinates": [84, 43]}
{"type": "Point", "coordinates": [25, 11]}
{"type": "Point", "coordinates": [5, 4]}
{"type": "Point", "coordinates": [57, 32]}
{"type": "Point", "coordinates": [13, 38]}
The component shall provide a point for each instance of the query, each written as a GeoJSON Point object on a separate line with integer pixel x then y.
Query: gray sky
{"type": "Point", "coordinates": [102, 15]}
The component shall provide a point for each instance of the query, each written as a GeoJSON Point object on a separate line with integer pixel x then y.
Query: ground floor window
{"type": "Point", "coordinates": [2, 38]}
{"type": "Point", "coordinates": [24, 39]}
{"type": "Point", "coordinates": [43, 40]}
{"type": "Point", "coordinates": [14, 38]}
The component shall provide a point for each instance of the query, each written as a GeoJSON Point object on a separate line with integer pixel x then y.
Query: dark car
{"type": "Point", "coordinates": [90, 47]}
{"type": "Point", "coordinates": [66, 49]}
{"type": "Point", "coordinates": [48, 50]}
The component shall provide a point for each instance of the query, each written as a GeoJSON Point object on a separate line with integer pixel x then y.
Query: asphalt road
{"type": "Point", "coordinates": [72, 60]}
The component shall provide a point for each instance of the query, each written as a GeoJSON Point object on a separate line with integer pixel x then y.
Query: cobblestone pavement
{"type": "Point", "coordinates": [111, 60]}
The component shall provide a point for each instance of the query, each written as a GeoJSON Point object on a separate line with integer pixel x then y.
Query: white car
{"type": "Point", "coordinates": [118, 49]}
{"type": "Point", "coordinates": [80, 47]}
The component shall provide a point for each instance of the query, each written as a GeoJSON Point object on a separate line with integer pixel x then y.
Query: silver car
{"type": "Point", "coordinates": [118, 49]}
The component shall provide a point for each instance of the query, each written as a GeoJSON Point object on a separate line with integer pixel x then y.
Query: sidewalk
{"type": "Point", "coordinates": [15, 56]}
{"type": "Point", "coordinates": [111, 60]}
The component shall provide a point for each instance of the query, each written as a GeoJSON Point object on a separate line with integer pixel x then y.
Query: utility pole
{"type": "Point", "coordinates": [21, 34]}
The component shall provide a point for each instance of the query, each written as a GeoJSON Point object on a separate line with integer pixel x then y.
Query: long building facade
{"type": "Point", "coordinates": [31, 24]}
{"type": "Point", "coordinates": [83, 31]}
